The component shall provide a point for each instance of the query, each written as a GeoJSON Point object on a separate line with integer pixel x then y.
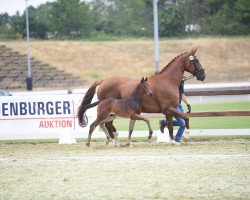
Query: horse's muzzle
{"type": "Point", "coordinates": [201, 75]}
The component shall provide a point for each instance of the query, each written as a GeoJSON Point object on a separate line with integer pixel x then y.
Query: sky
{"type": "Point", "coordinates": [12, 6]}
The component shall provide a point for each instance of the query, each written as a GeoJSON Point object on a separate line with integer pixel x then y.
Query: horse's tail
{"type": "Point", "coordinates": [86, 102]}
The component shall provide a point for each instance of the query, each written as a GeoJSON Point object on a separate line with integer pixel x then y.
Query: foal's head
{"type": "Point", "coordinates": [194, 66]}
{"type": "Point", "coordinates": [144, 87]}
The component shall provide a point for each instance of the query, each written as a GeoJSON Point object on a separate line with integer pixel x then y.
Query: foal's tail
{"type": "Point", "coordinates": [86, 102]}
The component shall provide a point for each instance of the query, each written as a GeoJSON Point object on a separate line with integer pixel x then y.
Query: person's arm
{"type": "Point", "coordinates": [184, 99]}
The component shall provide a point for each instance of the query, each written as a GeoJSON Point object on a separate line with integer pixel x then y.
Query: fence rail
{"type": "Point", "coordinates": [204, 114]}
{"type": "Point", "coordinates": [229, 90]}
{"type": "Point", "coordinates": [212, 92]}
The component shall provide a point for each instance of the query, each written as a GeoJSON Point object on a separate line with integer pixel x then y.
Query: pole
{"type": "Point", "coordinates": [29, 77]}
{"type": "Point", "coordinates": [156, 36]}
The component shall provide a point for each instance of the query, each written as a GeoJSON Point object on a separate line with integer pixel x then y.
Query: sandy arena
{"type": "Point", "coordinates": [195, 170]}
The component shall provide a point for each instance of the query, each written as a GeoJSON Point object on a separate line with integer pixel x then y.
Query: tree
{"type": "Point", "coordinates": [133, 18]}
{"type": "Point", "coordinates": [101, 17]}
{"type": "Point", "coordinates": [69, 18]}
{"type": "Point", "coordinates": [123, 17]}
{"type": "Point", "coordinates": [171, 18]}
{"type": "Point", "coordinates": [38, 27]}
{"type": "Point", "coordinates": [6, 31]}
{"type": "Point", "coordinates": [226, 17]}
{"type": "Point", "coordinates": [242, 12]}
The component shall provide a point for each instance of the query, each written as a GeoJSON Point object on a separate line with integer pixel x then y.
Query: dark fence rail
{"type": "Point", "coordinates": [204, 114]}
{"type": "Point", "coordinates": [218, 91]}
{"type": "Point", "coordinates": [212, 92]}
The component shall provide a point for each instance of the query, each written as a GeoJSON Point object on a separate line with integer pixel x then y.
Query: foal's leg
{"type": "Point", "coordinates": [91, 129]}
{"type": "Point", "coordinates": [111, 129]}
{"type": "Point", "coordinates": [106, 130]}
{"type": "Point", "coordinates": [106, 133]}
{"type": "Point", "coordinates": [131, 128]}
{"type": "Point", "coordinates": [139, 117]}
{"type": "Point", "coordinates": [101, 115]}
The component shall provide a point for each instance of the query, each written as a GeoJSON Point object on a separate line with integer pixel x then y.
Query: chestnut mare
{"type": "Point", "coordinates": [130, 108]}
{"type": "Point", "coordinates": [164, 85]}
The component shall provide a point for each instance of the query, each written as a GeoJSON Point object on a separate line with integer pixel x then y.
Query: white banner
{"type": "Point", "coordinates": [44, 116]}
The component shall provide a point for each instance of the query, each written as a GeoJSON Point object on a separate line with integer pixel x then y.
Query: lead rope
{"type": "Point", "coordinates": [188, 77]}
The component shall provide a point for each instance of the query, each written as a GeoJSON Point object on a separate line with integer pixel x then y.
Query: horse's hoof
{"type": "Point", "coordinates": [185, 139]}
{"type": "Point", "coordinates": [116, 135]}
{"type": "Point", "coordinates": [116, 145]}
{"type": "Point", "coordinates": [129, 145]}
{"type": "Point", "coordinates": [88, 144]}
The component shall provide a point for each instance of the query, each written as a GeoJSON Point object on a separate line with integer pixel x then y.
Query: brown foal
{"type": "Point", "coordinates": [130, 108]}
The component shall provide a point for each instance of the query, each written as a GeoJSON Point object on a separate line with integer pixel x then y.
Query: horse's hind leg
{"type": "Point", "coordinates": [169, 118]}
{"type": "Point", "coordinates": [131, 128]}
{"type": "Point", "coordinates": [100, 117]}
{"type": "Point", "coordinates": [186, 133]}
{"type": "Point", "coordinates": [106, 133]}
{"type": "Point", "coordinates": [187, 123]}
{"type": "Point", "coordinates": [111, 129]}
{"type": "Point", "coordinates": [174, 112]}
{"type": "Point", "coordinates": [91, 129]}
{"type": "Point", "coordinates": [112, 132]}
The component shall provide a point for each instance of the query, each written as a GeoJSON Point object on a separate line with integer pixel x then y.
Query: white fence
{"type": "Point", "coordinates": [41, 116]}
{"type": "Point", "coordinates": [48, 114]}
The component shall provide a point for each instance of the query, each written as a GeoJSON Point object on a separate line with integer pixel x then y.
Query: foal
{"type": "Point", "coordinates": [129, 108]}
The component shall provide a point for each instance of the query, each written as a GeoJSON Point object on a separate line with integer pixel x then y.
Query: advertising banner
{"type": "Point", "coordinates": [42, 116]}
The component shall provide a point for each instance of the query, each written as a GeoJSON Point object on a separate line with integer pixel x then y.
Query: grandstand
{"type": "Point", "coordinates": [13, 73]}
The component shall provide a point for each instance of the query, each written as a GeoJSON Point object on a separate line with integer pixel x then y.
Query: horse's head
{"type": "Point", "coordinates": [194, 67]}
{"type": "Point", "coordinates": [145, 87]}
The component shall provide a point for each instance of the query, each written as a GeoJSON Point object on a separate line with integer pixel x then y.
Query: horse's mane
{"type": "Point", "coordinates": [170, 63]}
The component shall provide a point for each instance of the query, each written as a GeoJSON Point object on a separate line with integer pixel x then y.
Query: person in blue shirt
{"type": "Point", "coordinates": [178, 121]}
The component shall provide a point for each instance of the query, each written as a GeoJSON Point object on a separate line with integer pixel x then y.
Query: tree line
{"type": "Point", "coordinates": [105, 19]}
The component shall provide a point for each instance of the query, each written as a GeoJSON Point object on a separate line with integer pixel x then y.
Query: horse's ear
{"type": "Point", "coordinates": [193, 51]}
{"type": "Point", "coordinates": [146, 79]}
{"type": "Point", "coordinates": [142, 79]}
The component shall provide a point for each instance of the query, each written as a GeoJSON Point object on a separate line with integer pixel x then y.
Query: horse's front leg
{"type": "Point", "coordinates": [139, 117]}
{"type": "Point", "coordinates": [131, 128]}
